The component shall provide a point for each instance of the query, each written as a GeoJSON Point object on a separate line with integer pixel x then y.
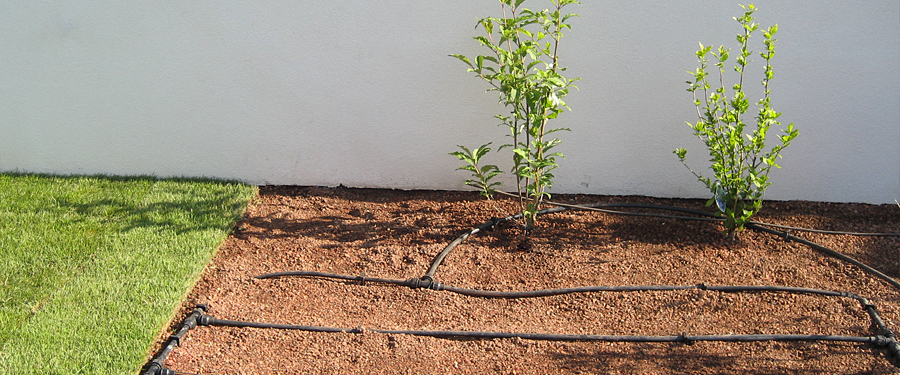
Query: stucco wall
{"type": "Point", "coordinates": [362, 93]}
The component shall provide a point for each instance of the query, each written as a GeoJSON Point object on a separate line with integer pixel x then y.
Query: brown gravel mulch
{"type": "Point", "coordinates": [396, 234]}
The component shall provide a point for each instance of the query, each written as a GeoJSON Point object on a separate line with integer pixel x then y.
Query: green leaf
{"type": "Point", "coordinates": [464, 59]}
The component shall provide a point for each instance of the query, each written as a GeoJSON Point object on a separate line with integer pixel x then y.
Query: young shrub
{"type": "Point", "coordinates": [483, 174]}
{"type": "Point", "coordinates": [740, 160]}
{"type": "Point", "coordinates": [523, 67]}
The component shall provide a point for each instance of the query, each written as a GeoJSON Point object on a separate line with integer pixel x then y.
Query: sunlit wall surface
{"type": "Point", "coordinates": [364, 94]}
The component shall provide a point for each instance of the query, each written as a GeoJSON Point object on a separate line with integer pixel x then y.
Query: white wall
{"type": "Point", "coordinates": [362, 92]}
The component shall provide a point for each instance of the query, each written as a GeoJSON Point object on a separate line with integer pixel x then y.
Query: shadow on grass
{"type": "Point", "coordinates": [185, 205]}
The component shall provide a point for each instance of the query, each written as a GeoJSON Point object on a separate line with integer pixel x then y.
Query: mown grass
{"type": "Point", "coordinates": [92, 268]}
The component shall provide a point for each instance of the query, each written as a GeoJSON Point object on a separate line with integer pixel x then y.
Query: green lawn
{"type": "Point", "coordinates": [92, 268]}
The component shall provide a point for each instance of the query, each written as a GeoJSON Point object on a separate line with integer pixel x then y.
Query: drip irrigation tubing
{"type": "Point", "coordinates": [439, 258]}
{"type": "Point", "coordinates": [434, 285]}
{"type": "Point", "coordinates": [708, 216]}
{"type": "Point", "coordinates": [787, 236]}
{"type": "Point", "coordinates": [429, 284]}
{"type": "Point", "coordinates": [156, 366]}
{"type": "Point", "coordinates": [877, 340]}
{"type": "Point", "coordinates": [884, 339]}
{"type": "Point", "coordinates": [704, 216]}
{"type": "Point", "coordinates": [820, 231]}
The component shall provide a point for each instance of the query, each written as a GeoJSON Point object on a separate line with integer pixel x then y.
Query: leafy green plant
{"type": "Point", "coordinates": [523, 67]}
{"type": "Point", "coordinates": [740, 160]}
{"type": "Point", "coordinates": [483, 174]}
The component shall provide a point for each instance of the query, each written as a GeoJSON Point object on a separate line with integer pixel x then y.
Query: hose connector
{"type": "Point", "coordinates": [422, 282]}
{"type": "Point", "coordinates": [205, 320]}
{"type": "Point", "coordinates": [426, 282]}
{"type": "Point", "coordinates": [489, 225]}
{"type": "Point", "coordinates": [157, 368]}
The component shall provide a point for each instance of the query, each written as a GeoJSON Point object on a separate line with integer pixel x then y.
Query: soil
{"type": "Point", "coordinates": [396, 234]}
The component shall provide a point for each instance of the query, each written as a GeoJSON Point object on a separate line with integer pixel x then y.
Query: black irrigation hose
{"type": "Point", "coordinates": [563, 207]}
{"type": "Point", "coordinates": [419, 283]}
{"type": "Point", "coordinates": [434, 285]}
{"type": "Point", "coordinates": [156, 365]}
{"type": "Point", "coordinates": [200, 318]}
{"type": "Point", "coordinates": [828, 251]}
{"type": "Point", "coordinates": [486, 226]}
{"type": "Point", "coordinates": [708, 217]}
{"type": "Point", "coordinates": [705, 216]}
{"type": "Point", "coordinates": [881, 341]}
{"type": "Point", "coordinates": [820, 231]}
{"type": "Point", "coordinates": [885, 338]}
